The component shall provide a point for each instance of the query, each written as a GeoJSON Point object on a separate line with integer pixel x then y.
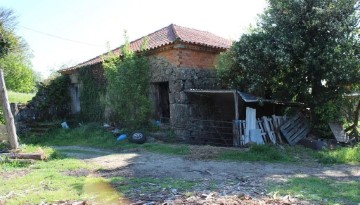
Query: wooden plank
{"type": "Point", "coordinates": [236, 102]}
{"type": "Point", "coordinates": [236, 133]}
{"type": "Point", "coordinates": [34, 156]}
{"type": "Point", "coordinates": [269, 131]}
{"type": "Point", "coordinates": [259, 125]}
{"type": "Point", "coordinates": [242, 132]}
{"type": "Point", "coordinates": [339, 133]}
{"type": "Point", "coordinates": [9, 118]}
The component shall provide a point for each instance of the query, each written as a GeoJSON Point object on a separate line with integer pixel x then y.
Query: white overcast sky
{"type": "Point", "coordinates": [96, 22]}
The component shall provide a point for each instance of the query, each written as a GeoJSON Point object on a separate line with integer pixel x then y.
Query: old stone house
{"type": "Point", "coordinates": [181, 59]}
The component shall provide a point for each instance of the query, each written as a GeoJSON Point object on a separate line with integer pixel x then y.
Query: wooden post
{"type": "Point", "coordinates": [236, 122]}
{"type": "Point", "coordinates": [9, 119]}
{"type": "Point", "coordinates": [236, 102]}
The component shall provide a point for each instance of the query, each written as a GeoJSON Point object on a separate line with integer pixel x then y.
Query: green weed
{"type": "Point", "coordinates": [323, 191]}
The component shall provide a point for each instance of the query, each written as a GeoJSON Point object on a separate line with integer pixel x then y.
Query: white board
{"type": "Point", "coordinates": [256, 137]}
{"type": "Point", "coordinates": [250, 123]}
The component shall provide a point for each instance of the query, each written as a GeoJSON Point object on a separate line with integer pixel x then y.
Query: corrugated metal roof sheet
{"type": "Point", "coordinates": [246, 97]}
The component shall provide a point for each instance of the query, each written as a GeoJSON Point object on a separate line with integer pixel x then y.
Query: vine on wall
{"type": "Point", "coordinates": [92, 96]}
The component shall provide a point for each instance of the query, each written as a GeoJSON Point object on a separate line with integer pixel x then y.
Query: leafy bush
{"type": "Point", "coordinates": [128, 88]}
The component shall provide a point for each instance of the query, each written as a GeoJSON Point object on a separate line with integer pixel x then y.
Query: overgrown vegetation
{"type": "Point", "coordinates": [92, 96]}
{"type": "Point", "coordinates": [323, 191]}
{"type": "Point", "coordinates": [52, 101]}
{"type": "Point", "coordinates": [128, 87]}
{"type": "Point", "coordinates": [302, 51]}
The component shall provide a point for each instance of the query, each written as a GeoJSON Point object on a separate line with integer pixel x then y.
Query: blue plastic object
{"type": "Point", "coordinates": [121, 137]}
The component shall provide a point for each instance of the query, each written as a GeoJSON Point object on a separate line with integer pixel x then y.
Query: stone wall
{"type": "Point", "coordinates": [183, 66]}
{"type": "Point", "coordinates": [180, 79]}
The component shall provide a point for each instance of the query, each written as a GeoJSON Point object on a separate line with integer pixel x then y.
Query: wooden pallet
{"type": "Point", "coordinates": [295, 129]}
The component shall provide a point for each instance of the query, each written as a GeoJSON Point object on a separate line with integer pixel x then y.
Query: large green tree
{"type": "Point", "coordinates": [301, 50]}
{"type": "Point", "coordinates": [14, 55]}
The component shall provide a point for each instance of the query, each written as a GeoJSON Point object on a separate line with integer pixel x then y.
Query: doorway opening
{"type": "Point", "coordinates": [162, 101]}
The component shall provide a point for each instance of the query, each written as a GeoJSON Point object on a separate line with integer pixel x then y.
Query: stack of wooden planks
{"type": "Point", "coordinates": [273, 129]}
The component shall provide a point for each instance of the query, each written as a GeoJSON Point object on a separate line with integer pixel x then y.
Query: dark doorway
{"type": "Point", "coordinates": [162, 101]}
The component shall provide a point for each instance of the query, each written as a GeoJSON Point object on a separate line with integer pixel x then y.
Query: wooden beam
{"type": "Point", "coordinates": [236, 104]}
{"type": "Point", "coordinates": [9, 118]}
{"type": "Point", "coordinates": [33, 156]}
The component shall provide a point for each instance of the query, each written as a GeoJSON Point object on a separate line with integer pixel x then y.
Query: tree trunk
{"type": "Point", "coordinates": [9, 119]}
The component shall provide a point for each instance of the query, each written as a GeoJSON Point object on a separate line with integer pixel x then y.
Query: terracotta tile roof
{"type": "Point", "coordinates": [166, 36]}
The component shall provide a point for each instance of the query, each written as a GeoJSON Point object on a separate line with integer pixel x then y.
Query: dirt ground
{"type": "Point", "coordinates": [231, 182]}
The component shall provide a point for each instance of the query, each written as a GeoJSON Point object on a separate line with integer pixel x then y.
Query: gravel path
{"type": "Point", "coordinates": [231, 178]}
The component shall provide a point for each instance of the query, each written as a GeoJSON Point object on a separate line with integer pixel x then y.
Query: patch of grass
{"type": "Point", "coordinates": [49, 153]}
{"type": "Point", "coordinates": [148, 185]}
{"type": "Point", "coordinates": [91, 134]}
{"type": "Point", "coordinates": [167, 149]}
{"type": "Point", "coordinates": [62, 165]}
{"type": "Point", "coordinates": [17, 97]}
{"type": "Point", "coordinates": [42, 185]}
{"type": "Point", "coordinates": [346, 155]}
{"type": "Point", "coordinates": [13, 164]}
{"type": "Point", "coordinates": [268, 153]}
{"type": "Point", "coordinates": [94, 135]}
{"type": "Point", "coordinates": [44, 181]}
{"type": "Point", "coordinates": [323, 191]}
